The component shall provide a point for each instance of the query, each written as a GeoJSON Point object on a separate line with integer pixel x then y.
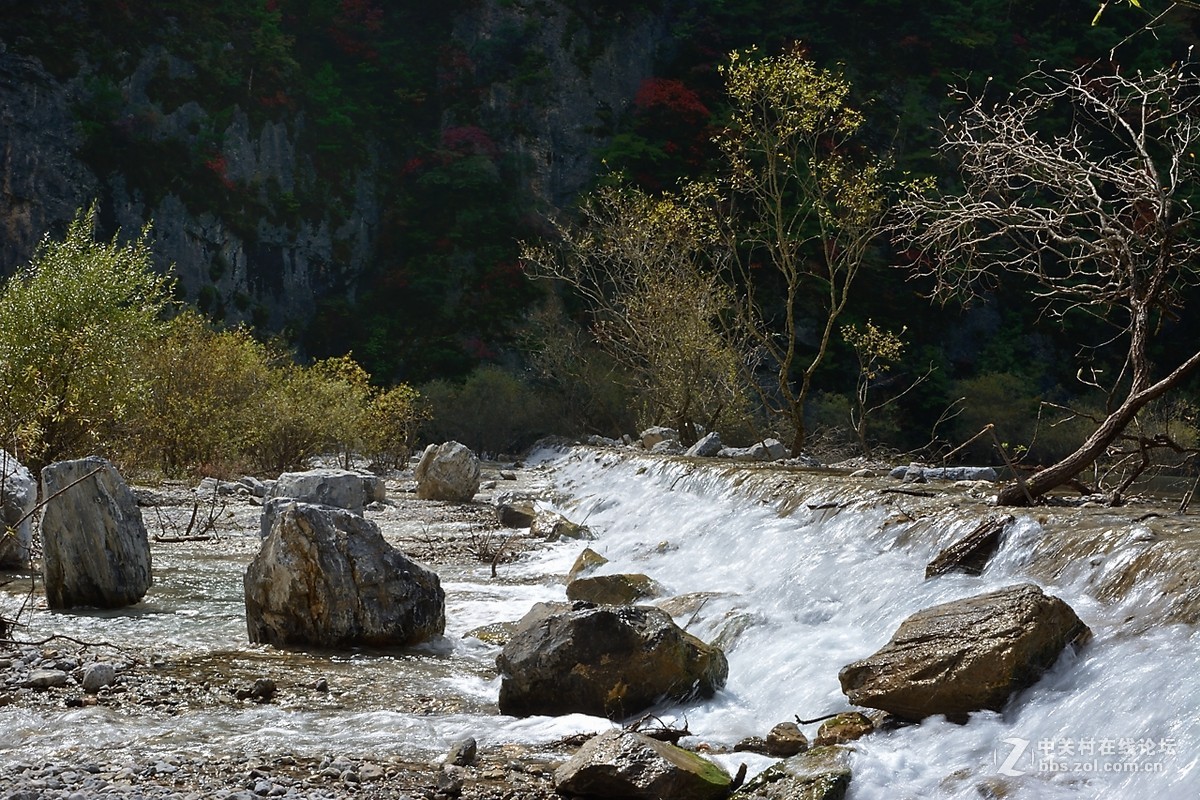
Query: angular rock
{"type": "Point", "coordinates": [768, 450]}
{"type": "Point", "coordinates": [626, 764]}
{"type": "Point", "coordinates": [515, 515]}
{"type": "Point", "coordinates": [822, 773]}
{"type": "Point", "coordinates": [448, 471]}
{"type": "Point", "coordinates": [95, 551]}
{"type": "Point", "coordinates": [972, 553]}
{"type": "Point", "coordinates": [463, 752]}
{"type": "Point", "coordinates": [588, 561]}
{"type": "Point", "coordinates": [610, 661]}
{"type": "Point", "coordinates": [653, 435]}
{"type": "Point", "coordinates": [843, 728]}
{"type": "Point", "coordinates": [338, 488]}
{"type": "Point", "coordinates": [326, 577]}
{"type": "Point", "coordinates": [614, 590]}
{"type": "Point", "coordinates": [45, 679]}
{"type": "Point", "coordinates": [965, 655]}
{"type": "Point", "coordinates": [708, 446]}
{"type": "Point", "coordinates": [553, 527]}
{"type": "Point", "coordinates": [786, 739]}
{"type": "Point", "coordinates": [18, 496]}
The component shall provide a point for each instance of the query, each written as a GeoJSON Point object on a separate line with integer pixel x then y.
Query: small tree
{"type": "Point", "coordinates": [72, 324]}
{"type": "Point", "coordinates": [649, 269]}
{"type": "Point", "coordinates": [877, 351]}
{"type": "Point", "coordinates": [1080, 184]}
{"type": "Point", "coordinates": [805, 206]}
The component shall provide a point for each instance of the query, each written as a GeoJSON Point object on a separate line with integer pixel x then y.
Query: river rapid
{"type": "Point", "coordinates": [796, 573]}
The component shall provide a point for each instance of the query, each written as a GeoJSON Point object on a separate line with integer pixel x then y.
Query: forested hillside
{"type": "Point", "coordinates": [359, 176]}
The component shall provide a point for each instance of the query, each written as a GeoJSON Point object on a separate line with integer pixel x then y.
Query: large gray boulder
{"type": "Point", "coordinates": [339, 488]}
{"type": "Point", "coordinates": [965, 655]}
{"type": "Point", "coordinates": [95, 551]}
{"type": "Point", "coordinates": [708, 446]}
{"type": "Point", "coordinates": [326, 577]}
{"type": "Point", "coordinates": [18, 496]}
{"type": "Point", "coordinates": [612, 661]}
{"type": "Point", "coordinates": [448, 471]}
{"type": "Point", "coordinates": [624, 764]}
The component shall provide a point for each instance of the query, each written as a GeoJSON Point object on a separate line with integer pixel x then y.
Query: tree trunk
{"type": "Point", "coordinates": [1057, 474]}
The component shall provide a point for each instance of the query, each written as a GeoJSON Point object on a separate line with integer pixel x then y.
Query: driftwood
{"type": "Point", "coordinates": [663, 733]}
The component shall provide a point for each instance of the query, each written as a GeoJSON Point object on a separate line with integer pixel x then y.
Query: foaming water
{"type": "Point", "coordinates": [794, 576]}
{"type": "Point", "coordinates": [813, 591]}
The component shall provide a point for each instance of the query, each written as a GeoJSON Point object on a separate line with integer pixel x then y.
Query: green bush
{"type": "Point", "coordinates": [203, 388]}
{"type": "Point", "coordinates": [390, 424]}
{"type": "Point", "coordinates": [492, 411]}
{"type": "Point", "coordinates": [72, 326]}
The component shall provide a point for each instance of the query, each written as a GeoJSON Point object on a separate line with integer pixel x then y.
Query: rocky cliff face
{"type": "Point", "coordinates": [245, 205]}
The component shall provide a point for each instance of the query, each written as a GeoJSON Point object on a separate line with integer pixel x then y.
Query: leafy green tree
{"type": "Point", "coordinates": [72, 325]}
{"type": "Point", "coordinates": [805, 205]}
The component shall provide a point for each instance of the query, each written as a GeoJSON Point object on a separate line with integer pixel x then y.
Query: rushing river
{"type": "Point", "coordinates": [795, 577]}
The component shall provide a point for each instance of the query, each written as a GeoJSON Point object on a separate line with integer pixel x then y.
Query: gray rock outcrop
{"type": "Point", "coordinates": [708, 446]}
{"type": "Point", "coordinates": [326, 577]}
{"type": "Point", "coordinates": [329, 487]}
{"type": "Point", "coordinates": [18, 497]}
{"type": "Point", "coordinates": [656, 435]}
{"type": "Point", "coordinates": [610, 661]}
{"type": "Point", "coordinates": [915, 473]}
{"type": "Point", "coordinates": [449, 471]}
{"type": "Point", "coordinates": [95, 551]}
{"type": "Point", "coordinates": [625, 764]}
{"type": "Point", "coordinates": [966, 655]}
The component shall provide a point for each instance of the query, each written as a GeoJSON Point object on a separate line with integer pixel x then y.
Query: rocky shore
{"type": "Point", "coordinates": [42, 676]}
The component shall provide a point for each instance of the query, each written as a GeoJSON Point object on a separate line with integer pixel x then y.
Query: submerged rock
{"type": "Point", "coordinates": [95, 551]}
{"type": "Point", "coordinates": [609, 661]}
{"type": "Point", "coordinates": [326, 577]}
{"type": "Point", "coordinates": [625, 764]}
{"type": "Point", "coordinates": [18, 496]}
{"type": "Point", "coordinates": [448, 471]}
{"type": "Point", "coordinates": [965, 655]}
{"type": "Point", "coordinates": [822, 773]}
{"type": "Point", "coordinates": [554, 527]}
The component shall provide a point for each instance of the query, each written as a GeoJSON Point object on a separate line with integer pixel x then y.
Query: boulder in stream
{"type": "Point", "coordinates": [966, 655]}
{"type": "Point", "coordinates": [18, 496]}
{"type": "Point", "coordinates": [448, 471]}
{"type": "Point", "coordinates": [615, 590]}
{"type": "Point", "coordinates": [326, 577]}
{"type": "Point", "coordinates": [822, 773]}
{"type": "Point", "coordinates": [625, 764]}
{"type": "Point", "coordinates": [972, 553]}
{"type": "Point", "coordinates": [611, 661]}
{"type": "Point", "coordinates": [339, 488]}
{"type": "Point", "coordinates": [95, 551]}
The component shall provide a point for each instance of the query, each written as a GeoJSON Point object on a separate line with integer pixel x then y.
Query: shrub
{"type": "Point", "coordinates": [390, 424]}
{"type": "Point", "coordinates": [202, 391]}
{"type": "Point", "coordinates": [72, 324]}
{"type": "Point", "coordinates": [492, 411]}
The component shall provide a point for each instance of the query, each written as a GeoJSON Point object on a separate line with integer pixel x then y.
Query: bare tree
{"type": "Point", "coordinates": [1079, 183]}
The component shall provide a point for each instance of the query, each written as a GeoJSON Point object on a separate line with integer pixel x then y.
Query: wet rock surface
{"type": "Point", "coordinates": [626, 764]}
{"type": "Point", "coordinates": [966, 655]}
{"type": "Point", "coordinates": [612, 661]}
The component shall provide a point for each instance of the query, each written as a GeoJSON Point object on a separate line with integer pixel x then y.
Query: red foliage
{"type": "Point", "coordinates": [664, 94]}
{"type": "Point", "coordinates": [220, 167]}
{"type": "Point", "coordinates": [469, 140]}
{"type": "Point", "coordinates": [355, 26]}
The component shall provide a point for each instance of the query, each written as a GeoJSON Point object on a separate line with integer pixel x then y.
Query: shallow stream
{"type": "Point", "coordinates": [795, 573]}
